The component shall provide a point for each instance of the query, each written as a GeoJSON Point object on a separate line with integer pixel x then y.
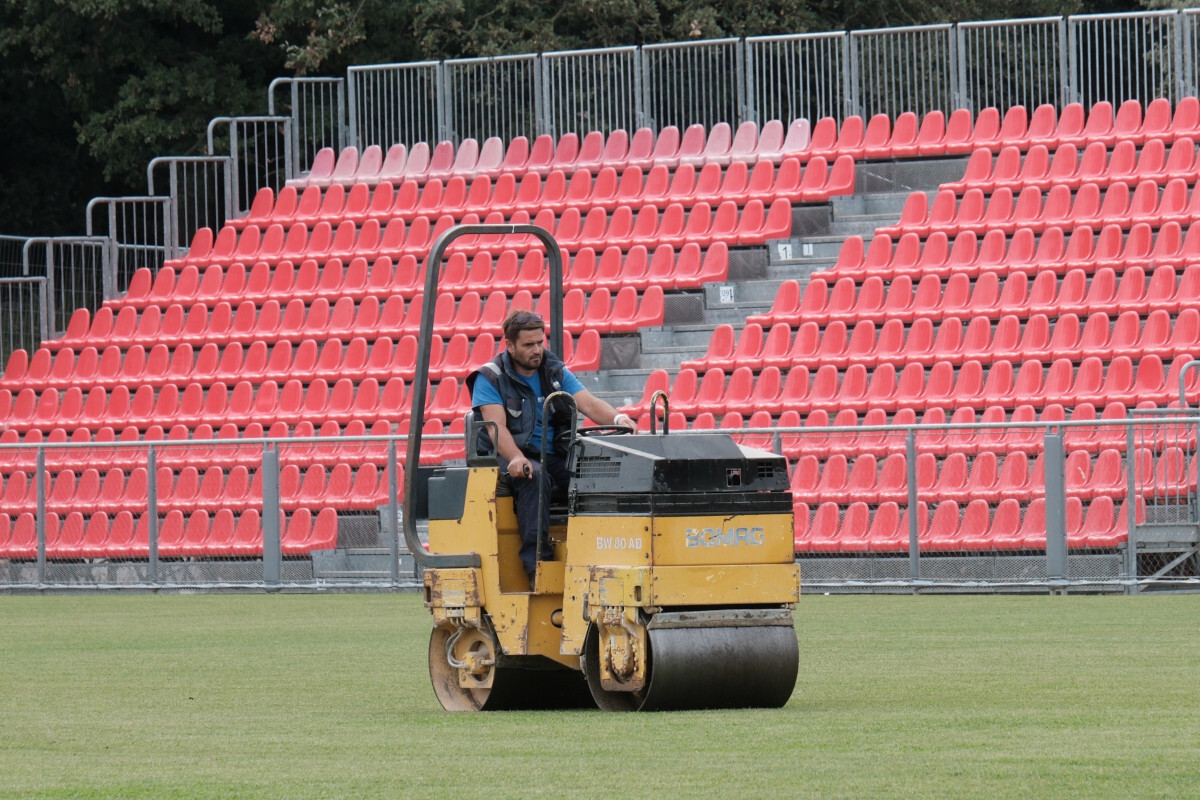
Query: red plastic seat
{"type": "Point", "coordinates": [943, 527]}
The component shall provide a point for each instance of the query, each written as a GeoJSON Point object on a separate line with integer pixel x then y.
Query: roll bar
{"type": "Point", "coordinates": [433, 268]}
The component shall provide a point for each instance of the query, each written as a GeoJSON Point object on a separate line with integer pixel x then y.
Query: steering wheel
{"type": "Point", "coordinates": [602, 430]}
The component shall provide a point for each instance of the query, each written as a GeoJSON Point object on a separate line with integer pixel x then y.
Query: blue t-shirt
{"type": "Point", "coordinates": [484, 393]}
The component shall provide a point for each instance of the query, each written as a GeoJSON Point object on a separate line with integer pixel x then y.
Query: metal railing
{"type": "Point", "coordinates": [1143, 53]}
{"type": "Point", "coordinates": [394, 103]}
{"type": "Point", "coordinates": [497, 96]}
{"type": "Point", "coordinates": [140, 230]}
{"type": "Point", "coordinates": [586, 90]}
{"type": "Point", "coordinates": [78, 272]}
{"type": "Point", "coordinates": [903, 69]}
{"type": "Point", "coordinates": [1055, 561]}
{"type": "Point", "coordinates": [1013, 62]}
{"type": "Point", "coordinates": [317, 108]}
{"type": "Point", "coordinates": [12, 258]}
{"type": "Point", "coordinates": [24, 311]}
{"type": "Point", "coordinates": [200, 193]}
{"type": "Point", "coordinates": [798, 76]}
{"type": "Point", "coordinates": [259, 151]}
{"type": "Point", "coordinates": [694, 83]}
{"type": "Point", "coordinates": [972, 65]}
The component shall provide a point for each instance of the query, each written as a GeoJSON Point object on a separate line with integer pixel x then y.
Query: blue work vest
{"type": "Point", "coordinates": [520, 403]}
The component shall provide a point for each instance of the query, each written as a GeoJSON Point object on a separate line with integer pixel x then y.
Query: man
{"type": "Point", "coordinates": [513, 390]}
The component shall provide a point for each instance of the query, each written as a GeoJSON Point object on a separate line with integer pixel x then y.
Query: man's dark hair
{"type": "Point", "coordinates": [521, 320]}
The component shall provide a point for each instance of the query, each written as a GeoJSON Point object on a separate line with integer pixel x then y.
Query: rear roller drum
{"type": "Point", "coordinates": [462, 666]}
{"type": "Point", "coordinates": [465, 668]}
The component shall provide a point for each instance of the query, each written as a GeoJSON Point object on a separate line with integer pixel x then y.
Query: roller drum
{"type": "Point", "coordinates": [515, 683]}
{"type": "Point", "coordinates": [724, 659]}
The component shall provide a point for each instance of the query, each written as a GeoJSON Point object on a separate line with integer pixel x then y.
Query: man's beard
{"type": "Point", "coordinates": [523, 363]}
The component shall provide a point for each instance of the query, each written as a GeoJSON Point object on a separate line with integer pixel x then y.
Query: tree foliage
{"type": "Point", "coordinates": [93, 89]}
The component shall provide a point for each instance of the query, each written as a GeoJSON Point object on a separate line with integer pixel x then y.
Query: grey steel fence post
{"type": "Point", "coordinates": [152, 512]}
{"type": "Point", "coordinates": [1129, 565]}
{"type": "Point", "coordinates": [1187, 75]}
{"type": "Point", "coordinates": [272, 556]}
{"type": "Point", "coordinates": [962, 97]}
{"type": "Point", "coordinates": [40, 525]}
{"type": "Point", "coordinates": [238, 166]}
{"type": "Point", "coordinates": [393, 513]}
{"type": "Point", "coordinates": [1056, 507]}
{"type": "Point", "coordinates": [850, 77]}
{"type": "Point", "coordinates": [444, 103]}
{"type": "Point", "coordinates": [744, 113]}
{"type": "Point", "coordinates": [343, 120]}
{"type": "Point", "coordinates": [542, 123]}
{"type": "Point", "coordinates": [173, 193]}
{"type": "Point", "coordinates": [639, 93]}
{"type": "Point", "coordinates": [644, 97]}
{"type": "Point", "coordinates": [294, 91]}
{"type": "Point", "coordinates": [1064, 61]}
{"type": "Point", "coordinates": [353, 134]}
{"type": "Point", "coordinates": [290, 151]}
{"type": "Point", "coordinates": [957, 81]}
{"type": "Point", "coordinates": [914, 531]}
{"type": "Point", "coordinates": [749, 108]}
{"type": "Point", "coordinates": [1177, 62]}
{"type": "Point", "coordinates": [1073, 92]}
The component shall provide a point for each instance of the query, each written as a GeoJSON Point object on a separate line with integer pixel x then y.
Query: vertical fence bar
{"type": "Point", "coordinates": [1056, 506]}
{"type": "Point", "coordinates": [914, 531]}
{"type": "Point", "coordinates": [40, 493]}
{"type": "Point", "coordinates": [272, 536]}
{"type": "Point", "coordinates": [393, 512]}
{"type": "Point", "coordinates": [152, 511]}
{"type": "Point", "coordinates": [1129, 563]}
{"type": "Point", "coordinates": [1189, 51]}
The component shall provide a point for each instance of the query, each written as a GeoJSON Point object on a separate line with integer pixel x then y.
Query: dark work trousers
{"type": "Point", "coordinates": [525, 501]}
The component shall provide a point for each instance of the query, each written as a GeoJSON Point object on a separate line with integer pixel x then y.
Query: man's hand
{"type": "Point", "coordinates": [625, 421]}
{"type": "Point", "coordinates": [520, 467]}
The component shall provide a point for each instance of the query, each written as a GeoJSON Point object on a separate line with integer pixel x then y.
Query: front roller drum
{"type": "Point", "coordinates": [708, 659]}
{"type": "Point", "coordinates": [470, 673]}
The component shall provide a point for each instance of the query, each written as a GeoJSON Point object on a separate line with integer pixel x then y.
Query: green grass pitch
{"type": "Point", "coordinates": [283, 696]}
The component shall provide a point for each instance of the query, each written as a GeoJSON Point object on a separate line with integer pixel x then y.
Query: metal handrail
{"type": "Point", "coordinates": [1183, 371]}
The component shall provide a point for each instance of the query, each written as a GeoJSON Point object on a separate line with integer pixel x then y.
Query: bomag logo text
{"type": "Point", "coordinates": [724, 537]}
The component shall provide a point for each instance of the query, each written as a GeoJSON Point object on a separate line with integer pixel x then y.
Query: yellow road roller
{"type": "Point", "coordinates": [671, 579]}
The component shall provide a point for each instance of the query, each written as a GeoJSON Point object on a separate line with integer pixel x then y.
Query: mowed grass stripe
{"type": "Point", "coordinates": [328, 696]}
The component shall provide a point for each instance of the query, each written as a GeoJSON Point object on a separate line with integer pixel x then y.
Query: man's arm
{"type": "Point", "coordinates": [600, 411]}
{"type": "Point", "coordinates": [506, 446]}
